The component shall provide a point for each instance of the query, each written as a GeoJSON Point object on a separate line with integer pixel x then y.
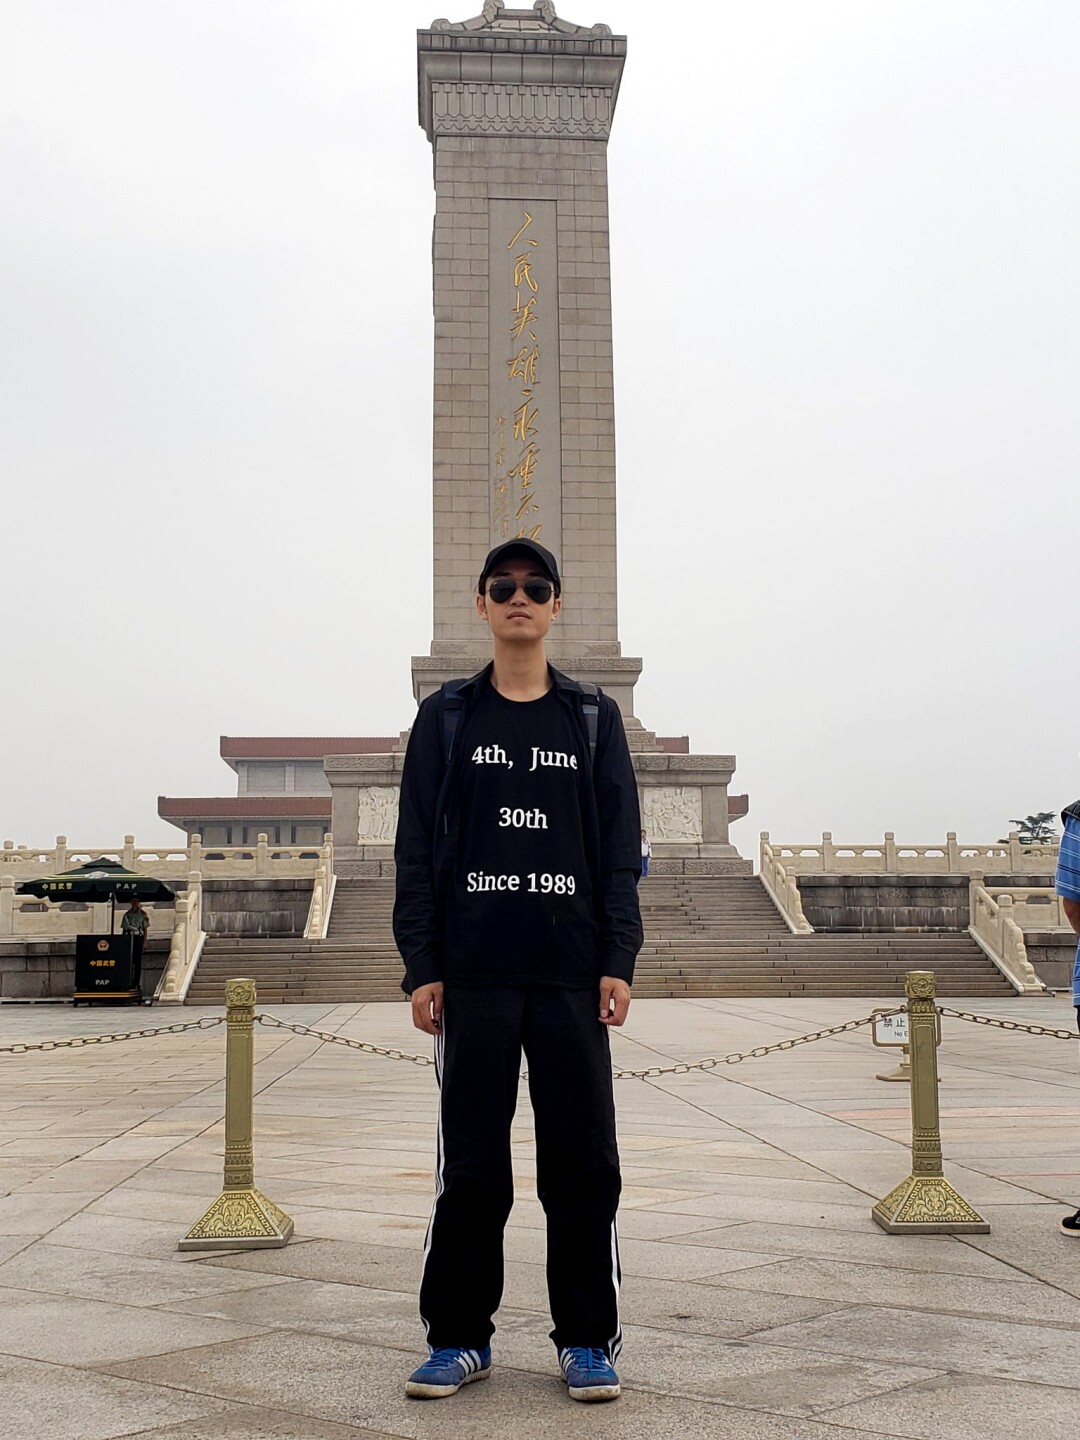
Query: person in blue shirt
{"type": "Point", "coordinates": [1068, 887]}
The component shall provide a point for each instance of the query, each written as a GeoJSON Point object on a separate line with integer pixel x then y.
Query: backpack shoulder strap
{"type": "Point", "coordinates": [453, 702]}
{"type": "Point", "coordinates": [590, 708]}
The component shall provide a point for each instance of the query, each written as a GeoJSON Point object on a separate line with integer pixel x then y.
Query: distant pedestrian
{"type": "Point", "coordinates": [646, 853]}
{"type": "Point", "coordinates": [136, 923]}
{"type": "Point", "coordinates": [1068, 887]}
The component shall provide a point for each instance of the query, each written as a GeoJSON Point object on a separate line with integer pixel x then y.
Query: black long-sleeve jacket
{"type": "Point", "coordinates": [428, 821]}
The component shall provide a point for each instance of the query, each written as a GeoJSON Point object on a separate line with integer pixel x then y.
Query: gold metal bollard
{"type": "Point", "coordinates": [241, 1218]}
{"type": "Point", "coordinates": [925, 1203]}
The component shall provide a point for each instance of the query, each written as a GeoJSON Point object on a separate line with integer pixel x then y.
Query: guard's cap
{"type": "Point", "coordinates": [522, 549]}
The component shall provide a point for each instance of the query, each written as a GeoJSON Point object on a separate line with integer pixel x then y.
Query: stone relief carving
{"type": "Point", "coordinates": [541, 17]}
{"type": "Point", "coordinates": [377, 815]}
{"type": "Point", "coordinates": [673, 812]}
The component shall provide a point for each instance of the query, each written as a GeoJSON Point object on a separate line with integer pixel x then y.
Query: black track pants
{"type": "Point", "coordinates": [479, 1060]}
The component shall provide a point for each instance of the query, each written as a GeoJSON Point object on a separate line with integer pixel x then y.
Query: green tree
{"type": "Point", "coordinates": [1036, 829]}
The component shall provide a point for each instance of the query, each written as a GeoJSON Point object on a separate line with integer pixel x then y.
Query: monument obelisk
{"type": "Point", "coordinates": [518, 105]}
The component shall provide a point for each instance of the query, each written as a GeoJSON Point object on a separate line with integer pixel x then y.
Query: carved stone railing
{"type": "Point", "coordinates": [23, 917]}
{"type": "Point", "coordinates": [783, 889]}
{"type": "Point", "coordinates": [1034, 907]}
{"type": "Point", "coordinates": [995, 929]}
{"type": "Point", "coordinates": [322, 895]}
{"type": "Point", "coordinates": [188, 939]}
{"type": "Point", "coordinates": [261, 860]}
{"type": "Point", "coordinates": [889, 857]}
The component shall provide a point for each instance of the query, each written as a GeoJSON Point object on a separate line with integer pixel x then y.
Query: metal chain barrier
{"type": "Point", "coordinates": [77, 1041]}
{"type": "Point", "coordinates": [651, 1073]}
{"type": "Point", "coordinates": [1007, 1024]}
{"type": "Point", "coordinates": [330, 1039]}
{"type": "Point", "coordinates": [712, 1062]}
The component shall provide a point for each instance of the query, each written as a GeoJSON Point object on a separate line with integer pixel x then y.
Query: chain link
{"type": "Point", "coordinates": [77, 1041]}
{"type": "Point", "coordinates": [712, 1062]}
{"type": "Point", "coordinates": [330, 1039]}
{"type": "Point", "coordinates": [651, 1072]}
{"type": "Point", "coordinates": [1006, 1024]}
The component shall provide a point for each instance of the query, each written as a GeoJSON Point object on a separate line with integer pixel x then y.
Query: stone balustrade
{"type": "Point", "coordinates": [22, 917]}
{"type": "Point", "coordinates": [322, 901]}
{"type": "Point", "coordinates": [783, 888]}
{"type": "Point", "coordinates": [261, 860]}
{"type": "Point", "coordinates": [891, 857]}
{"type": "Point", "coordinates": [188, 939]}
{"type": "Point", "coordinates": [997, 931]}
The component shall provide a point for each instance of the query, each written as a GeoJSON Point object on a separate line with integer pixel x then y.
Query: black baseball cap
{"type": "Point", "coordinates": [527, 549]}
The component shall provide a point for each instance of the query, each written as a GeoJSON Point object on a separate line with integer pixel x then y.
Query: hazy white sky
{"type": "Point", "coordinates": [846, 336]}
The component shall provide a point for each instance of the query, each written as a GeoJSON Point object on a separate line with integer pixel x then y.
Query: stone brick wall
{"type": "Point", "coordinates": [256, 907]}
{"type": "Point", "coordinates": [45, 969]}
{"type": "Point", "coordinates": [849, 903]}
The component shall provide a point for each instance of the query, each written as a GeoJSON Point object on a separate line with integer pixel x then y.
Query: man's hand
{"type": "Point", "coordinates": [614, 1000]}
{"type": "Point", "coordinates": [427, 1006]}
{"type": "Point", "coordinates": [1072, 914]}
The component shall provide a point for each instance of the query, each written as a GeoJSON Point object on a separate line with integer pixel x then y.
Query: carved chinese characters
{"type": "Point", "coordinates": [526, 445]}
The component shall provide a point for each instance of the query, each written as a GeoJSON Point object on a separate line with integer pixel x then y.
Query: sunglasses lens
{"type": "Point", "coordinates": [539, 591]}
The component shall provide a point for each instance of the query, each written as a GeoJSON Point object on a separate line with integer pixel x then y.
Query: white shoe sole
{"type": "Point", "coordinates": [594, 1392]}
{"type": "Point", "coordinates": [419, 1391]}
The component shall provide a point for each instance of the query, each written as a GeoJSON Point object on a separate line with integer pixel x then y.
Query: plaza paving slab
{"type": "Point", "coordinates": [760, 1300]}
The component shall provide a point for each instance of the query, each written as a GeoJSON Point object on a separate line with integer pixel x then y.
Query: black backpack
{"type": "Point", "coordinates": [453, 702]}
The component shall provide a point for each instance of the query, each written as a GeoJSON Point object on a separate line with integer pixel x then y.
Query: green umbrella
{"type": "Point", "coordinates": [96, 881]}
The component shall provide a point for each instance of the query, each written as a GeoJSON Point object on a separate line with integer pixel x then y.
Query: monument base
{"type": "Point", "coordinates": [615, 674]}
{"type": "Point", "coordinates": [683, 799]}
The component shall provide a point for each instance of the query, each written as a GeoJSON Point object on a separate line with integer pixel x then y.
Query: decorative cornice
{"type": "Point", "coordinates": [472, 109]}
{"type": "Point", "coordinates": [541, 19]}
{"type": "Point", "coordinates": [453, 666]}
{"type": "Point", "coordinates": [366, 763]}
{"type": "Point", "coordinates": [670, 765]}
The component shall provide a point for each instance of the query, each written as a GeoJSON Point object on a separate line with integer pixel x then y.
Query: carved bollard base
{"type": "Point", "coordinates": [927, 1205]}
{"type": "Point", "coordinates": [239, 1220]}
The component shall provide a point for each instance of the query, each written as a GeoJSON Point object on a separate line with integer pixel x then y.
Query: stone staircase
{"type": "Point", "coordinates": [703, 937]}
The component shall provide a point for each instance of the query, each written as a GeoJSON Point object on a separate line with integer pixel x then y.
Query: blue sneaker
{"type": "Point", "coordinates": [589, 1374]}
{"type": "Point", "coordinates": [445, 1371]}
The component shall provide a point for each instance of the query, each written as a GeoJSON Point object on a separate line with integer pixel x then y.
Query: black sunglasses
{"type": "Point", "coordinates": [503, 590]}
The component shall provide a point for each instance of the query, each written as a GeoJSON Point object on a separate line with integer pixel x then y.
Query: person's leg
{"type": "Point", "coordinates": [478, 1057]}
{"type": "Point", "coordinates": [1070, 1225]}
{"type": "Point", "coordinates": [644, 867]}
{"type": "Point", "coordinates": [577, 1159]}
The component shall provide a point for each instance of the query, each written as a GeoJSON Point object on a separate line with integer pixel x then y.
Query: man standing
{"type": "Point", "coordinates": [1068, 887]}
{"type": "Point", "coordinates": [136, 923]}
{"type": "Point", "coordinates": [517, 918]}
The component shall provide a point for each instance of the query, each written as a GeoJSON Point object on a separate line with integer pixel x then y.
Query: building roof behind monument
{"type": "Point", "coordinates": [540, 19]}
{"type": "Point", "coordinates": [302, 747]}
{"type": "Point", "coordinates": [250, 807]}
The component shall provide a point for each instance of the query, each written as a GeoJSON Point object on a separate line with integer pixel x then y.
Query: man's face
{"type": "Point", "coordinates": [519, 620]}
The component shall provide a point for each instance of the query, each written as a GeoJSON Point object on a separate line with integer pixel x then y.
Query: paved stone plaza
{"type": "Point", "coordinates": [760, 1298]}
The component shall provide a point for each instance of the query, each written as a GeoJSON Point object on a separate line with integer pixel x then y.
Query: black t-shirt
{"type": "Point", "coordinates": [521, 908]}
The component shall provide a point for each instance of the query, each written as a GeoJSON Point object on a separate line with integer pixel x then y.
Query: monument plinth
{"type": "Point", "coordinates": [518, 105]}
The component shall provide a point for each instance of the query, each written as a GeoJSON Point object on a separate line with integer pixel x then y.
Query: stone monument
{"type": "Point", "coordinates": [518, 105]}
